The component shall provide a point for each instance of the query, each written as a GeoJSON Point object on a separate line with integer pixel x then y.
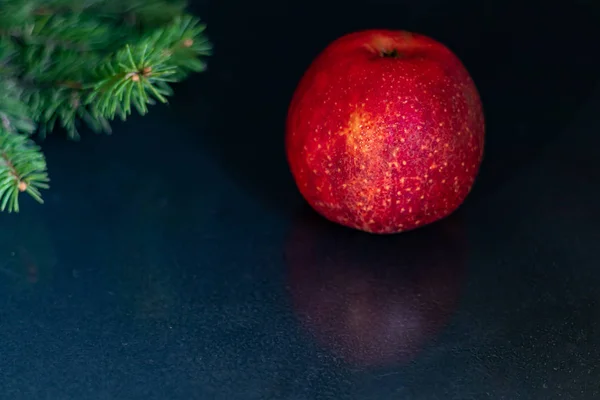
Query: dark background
{"type": "Point", "coordinates": [176, 260]}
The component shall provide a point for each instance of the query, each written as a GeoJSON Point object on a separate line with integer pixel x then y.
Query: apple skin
{"type": "Point", "coordinates": [385, 132]}
{"type": "Point", "coordinates": [374, 301]}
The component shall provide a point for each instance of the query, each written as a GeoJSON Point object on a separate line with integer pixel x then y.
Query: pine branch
{"type": "Point", "coordinates": [138, 75]}
{"type": "Point", "coordinates": [22, 164]}
{"type": "Point", "coordinates": [22, 169]}
{"type": "Point", "coordinates": [64, 63]}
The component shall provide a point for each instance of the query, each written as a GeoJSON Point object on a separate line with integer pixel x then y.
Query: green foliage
{"type": "Point", "coordinates": [68, 64]}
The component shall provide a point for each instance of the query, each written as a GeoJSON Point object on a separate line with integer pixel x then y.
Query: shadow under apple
{"type": "Point", "coordinates": [374, 300]}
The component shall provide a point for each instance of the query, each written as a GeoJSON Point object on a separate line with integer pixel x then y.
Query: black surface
{"type": "Point", "coordinates": [176, 260]}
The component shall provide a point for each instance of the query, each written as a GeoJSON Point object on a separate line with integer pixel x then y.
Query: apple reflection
{"type": "Point", "coordinates": [374, 300]}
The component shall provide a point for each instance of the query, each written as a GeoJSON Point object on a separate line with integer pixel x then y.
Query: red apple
{"type": "Point", "coordinates": [374, 301]}
{"type": "Point", "coordinates": [385, 132]}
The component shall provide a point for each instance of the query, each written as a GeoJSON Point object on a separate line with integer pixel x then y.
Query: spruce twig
{"type": "Point", "coordinates": [67, 63]}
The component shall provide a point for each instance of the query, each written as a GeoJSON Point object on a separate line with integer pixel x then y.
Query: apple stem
{"type": "Point", "coordinates": [394, 53]}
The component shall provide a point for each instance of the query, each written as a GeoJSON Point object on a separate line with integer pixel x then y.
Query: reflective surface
{"type": "Point", "coordinates": [175, 259]}
{"type": "Point", "coordinates": [373, 300]}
